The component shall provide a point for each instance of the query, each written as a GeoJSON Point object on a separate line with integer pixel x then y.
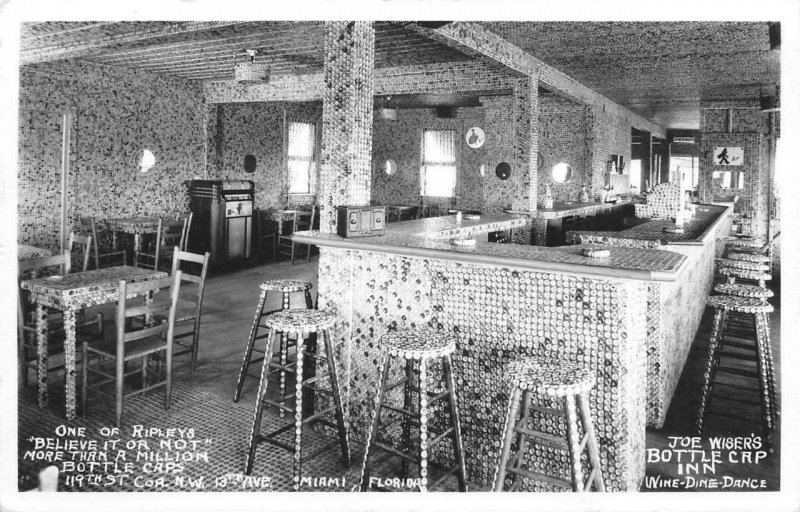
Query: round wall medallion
{"type": "Point", "coordinates": [475, 137]}
{"type": "Point", "coordinates": [503, 170]}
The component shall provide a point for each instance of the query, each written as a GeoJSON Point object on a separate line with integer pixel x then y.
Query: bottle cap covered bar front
{"type": "Point", "coordinates": [502, 302]}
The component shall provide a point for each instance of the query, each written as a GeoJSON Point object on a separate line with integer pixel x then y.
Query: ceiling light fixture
{"type": "Point", "coordinates": [250, 71]}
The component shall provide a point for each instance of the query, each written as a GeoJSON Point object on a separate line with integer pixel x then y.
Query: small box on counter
{"type": "Point", "coordinates": [359, 221]}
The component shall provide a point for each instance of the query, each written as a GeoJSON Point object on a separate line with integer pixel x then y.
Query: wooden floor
{"type": "Point", "coordinates": [228, 313]}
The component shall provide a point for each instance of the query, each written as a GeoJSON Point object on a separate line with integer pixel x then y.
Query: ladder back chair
{"type": "Point", "coordinates": [186, 229]}
{"type": "Point", "coordinates": [82, 246]}
{"type": "Point", "coordinates": [134, 343]}
{"type": "Point", "coordinates": [301, 220]}
{"type": "Point", "coordinates": [104, 252]}
{"type": "Point", "coordinates": [190, 303]}
{"type": "Point", "coordinates": [169, 235]}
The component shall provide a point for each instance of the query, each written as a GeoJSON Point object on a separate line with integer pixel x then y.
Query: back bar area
{"type": "Point", "coordinates": [401, 256]}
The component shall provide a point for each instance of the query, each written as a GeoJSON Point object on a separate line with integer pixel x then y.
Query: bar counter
{"type": "Point", "coordinates": [501, 302]}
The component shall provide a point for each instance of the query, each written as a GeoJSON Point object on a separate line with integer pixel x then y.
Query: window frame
{"type": "Point", "coordinates": [311, 160]}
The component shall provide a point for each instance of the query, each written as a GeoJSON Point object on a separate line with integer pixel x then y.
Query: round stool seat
{"type": "Point", "coordinates": [743, 265]}
{"type": "Point", "coordinates": [739, 304]}
{"type": "Point", "coordinates": [744, 274]}
{"type": "Point", "coordinates": [746, 242]}
{"type": "Point", "coordinates": [552, 379]}
{"type": "Point", "coordinates": [300, 320]}
{"type": "Point", "coordinates": [748, 256]}
{"type": "Point", "coordinates": [744, 290]}
{"type": "Point", "coordinates": [418, 344]}
{"type": "Point", "coordinates": [285, 285]}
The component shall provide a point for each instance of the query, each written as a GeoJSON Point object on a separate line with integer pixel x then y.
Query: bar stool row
{"type": "Point", "coordinates": [419, 428]}
{"type": "Point", "coordinates": [740, 335]}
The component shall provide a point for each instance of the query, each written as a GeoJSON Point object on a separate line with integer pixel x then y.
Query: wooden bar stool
{"type": "Point", "coordinates": [736, 273]}
{"type": "Point", "coordinates": [564, 380]}
{"type": "Point", "coordinates": [286, 287]}
{"type": "Point", "coordinates": [303, 323]}
{"type": "Point", "coordinates": [756, 310]}
{"type": "Point", "coordinates": [749, 256]}
{"type": "Point", "coordinates": [420, 349]}
{"type": "Point", "coordinates": [744, 290]}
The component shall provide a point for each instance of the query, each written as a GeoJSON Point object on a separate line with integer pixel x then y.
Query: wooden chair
{"type": "Point", "coordinates": [190, 302]}
{"type": "Point", "coordinates": [103, 248]}
{"type": "Point", "coordinates": [132, 343]}
{"type": "Point", "coordinates": [26, 321]}
{"type": "Point", "coordinates": [169, 235]}
{"type": "Point", "coordinates": [266, 235]}
{"type": "Point", "coordinates": [186, 229]}
{"type": "Point", "coordinates": [301, 220]}
{"type": "Point", "coordinates": [81, 245]}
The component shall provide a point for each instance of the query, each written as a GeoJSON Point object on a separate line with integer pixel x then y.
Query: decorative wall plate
{"type": "Point", "coordinates": [475, 137]}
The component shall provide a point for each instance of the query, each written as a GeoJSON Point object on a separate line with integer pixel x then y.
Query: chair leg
{"type": "Point", "coordinates": [248, 353]}
{"type": "Point", "coordinates": [376, 418]}
{"type": "Point", "coordinates": [168, 386]}
{"type": "Point", "coordinates": [508, 434]}
{"type": "Point", "coordinates": [119, 383]}
{"type": "Point", "coordinates": [144, 373]}
{"type": "Point", "coordinates": [308, 253]}
{"type": "Point", "coordinates": [195, 342]}
{"type": "Point", "coordinates": [293, 244]}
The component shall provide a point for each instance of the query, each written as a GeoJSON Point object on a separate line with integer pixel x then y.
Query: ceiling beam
{"type": "Point", "coordinates": [75, 47]}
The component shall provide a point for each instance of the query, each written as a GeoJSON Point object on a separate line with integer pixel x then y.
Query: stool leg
{"type": "Point", "coordinates": [337, 398]}
{"type": "Point", "coordinates": [298, 415]}
{"type": "Point", "coordinates": [711, 362]}
{"type": "Point", "coordinates": [574, 444]}
{"type": "Point", "coordinates": [423, 426]}
{"type": "Point", "coordinates": [765, 382]}
{"type": "Point", "coordinates": [383, 373]}
{"type": "Point", "coordinates": [508, 434]}
{"type": "Point", "coordinates": [591, 443]}
{"type": "Point", "coordinates": [458, 448]}
{"type": "Point", "coordinates": [259, 410]}
{"type": "Point", "coordinates": [284, 355]}
{"type": "Point", "coordinates": [522, 439]}
{"type": "Point", "coordinates": [408, 399]}
{"type": "Point", "coordinates": [248, 353]}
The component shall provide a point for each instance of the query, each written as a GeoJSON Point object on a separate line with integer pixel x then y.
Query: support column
{"type": "Point", "coordinates": [647, 160]}
{"type": "Point", "coordinates": [526, 143]}
{"type": "Point", "coordinates": [345, 175]}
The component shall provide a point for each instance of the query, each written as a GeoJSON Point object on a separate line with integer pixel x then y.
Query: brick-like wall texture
{"type": "Point", "coordinates": [562, 138]}
{"type": "Point", "coordinates": [116, 112]}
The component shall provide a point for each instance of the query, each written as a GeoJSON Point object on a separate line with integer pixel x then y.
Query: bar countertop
{"type": "Point", "coordinates": [430, 238]}
{"type": "Point", "coordinates": [566, 208]}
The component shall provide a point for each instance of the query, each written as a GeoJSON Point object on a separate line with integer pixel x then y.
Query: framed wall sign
{"type": "Point", "coordinates": [728, 155]}
{"type": "Point", "coordinates": [475, 137]}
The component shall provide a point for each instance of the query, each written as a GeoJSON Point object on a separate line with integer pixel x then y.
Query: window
{"type": "Point", "coordinates": [300, 158]}
{"type": "Point", "coordinates": [438, 163]}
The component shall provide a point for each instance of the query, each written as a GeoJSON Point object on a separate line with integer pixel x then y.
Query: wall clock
{"type": "Point", "coordinates": [475, 137]}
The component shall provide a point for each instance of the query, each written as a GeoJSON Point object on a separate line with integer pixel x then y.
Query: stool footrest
{"type": "Point", "coordinates": [447, 473]}
{"type": "Point", "coordinates": [278, 405]}
{"type": "Point", "coordinates": [315, 378]}
{"type": "Point", "coordinates": [545, 438]}
{"type": "Point", "coordinates": [286, 446]}
{"type": "Point", "coordinates": [394, 451]}
{"type": "Point", "coordinates": [548, 410]}
{"type": "Point", "coordinates": [438, 438]}
{"type": "Point", "coordinates": [433, 397]}
{"type": "Point", "coordinates": [533, 475]}
{"type": "Point", "coordinates": [395, 384]}
{"type": "Point", "coordinates": [589, 481]}
{"type": "Point", "coordinates": [400, 410]}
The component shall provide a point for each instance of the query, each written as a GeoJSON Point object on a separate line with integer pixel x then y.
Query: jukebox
{"type": "Point", "coordinates": [223, 219]}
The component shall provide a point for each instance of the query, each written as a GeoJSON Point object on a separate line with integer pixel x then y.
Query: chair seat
{"type": "Point", "coordinates": [418, 344]}
{"type": "Point", "coordinates": [560, 379]}
{"type": "Point", "coordinates": [739, 304]}
{"type": "Point", "coordinates": [744, 290]}
{"type": "Point", "coordinates": [300, 320]}
{"type": "Point", "coordinates": [749, 256]}
{"type": "Point", "coordinates": [286, 285]}
{"type": "Point", "coordinates": [133, 349]}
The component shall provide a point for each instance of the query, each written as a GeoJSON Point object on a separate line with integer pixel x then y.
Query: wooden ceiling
{"type": "Point", "coordinates": [207, 50]}
{"type": "Point", "coordinates": [658, 70]}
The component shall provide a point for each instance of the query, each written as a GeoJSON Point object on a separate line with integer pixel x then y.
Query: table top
{"type": "Point", "coordinates": [83, 289]}
{"type": "Point", "coordinates": [30, 251]}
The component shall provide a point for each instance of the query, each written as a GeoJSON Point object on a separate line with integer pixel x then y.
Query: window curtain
{"type": "Point", "coordinates": [439, 163]}
{"type": "Point", "coordinates": [300, 158]}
